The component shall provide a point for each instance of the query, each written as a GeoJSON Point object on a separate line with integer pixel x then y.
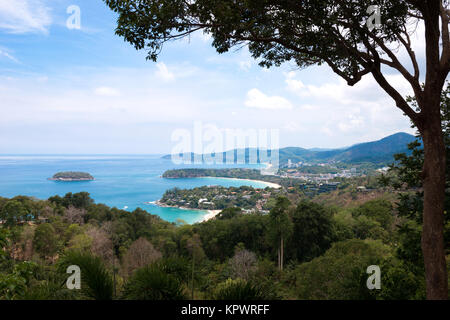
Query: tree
{"type": "Point", "coordinates": [26, 242]}
{"type": "Point", "coordinates": [140, 254]}
{"type": "Point", "coordinates": [11, 286]}
{"type": "Point", "coordinates": [219, 237]}
{"type": "Point", "coordinates": [101, 244]}
{"type": "Point", "coordinates": [243, 263]}
{"type": "Point", "coordinates": [96, 280]}
{"type": "Point", "coordinates": [74, 215]}
{"type": "Point", "coordinates": [81, 200]}
{"type": "Point", "coordinates": [45, 240]}
{"type": "Point", "coordinates": [313, 231]}
{"type": "Point", "coordinates": [405, 176]}
{"type": "Point", "coordinates": [407, 171]}
{"type": "Point", "coordinates": [194, 245]}
{"type": "Point", "coordinates": [13, 212]}
{"type": "Point", "coordinates": [241, 290]}
{"type": "Point", "coordinates": [341, 272]}
{"type": "Point", "coordinates": [280, 228]}
{"type": "Point", "coordinates": [378, 210]}
{"type": "Point", "coordinates": [3, 242]}
{"type": "Point", "coordinates": [400, 282]}
{"type": "Point", "coordinates": [333, 33]}
{"type": "Point", "coordinates": [229, 213]}
{"type": "Point", "coordinates": [152, 283]}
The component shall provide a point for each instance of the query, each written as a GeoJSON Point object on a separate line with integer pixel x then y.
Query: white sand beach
{"type": "Point", "coordinates": [213, 213]}
{"type": "Point", "coordinates": [210, 215]}
{"type": "Point", "coordinates": [268, 184]}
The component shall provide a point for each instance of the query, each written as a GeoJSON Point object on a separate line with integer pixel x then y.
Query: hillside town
{"type": "Point", "coordinates": [217, 197]}
{"type": "Point", "coordinates": [318, 172]}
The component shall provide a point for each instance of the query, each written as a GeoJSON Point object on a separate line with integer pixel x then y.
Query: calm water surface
{"type": "Point", "coordinates": [125, 182]}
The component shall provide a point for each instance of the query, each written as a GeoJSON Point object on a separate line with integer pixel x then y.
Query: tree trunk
{"type": "Point", "coordinates": [279, 259]}
{"type": "Point", "coordinates": [434, 196]}
{"type": "Point", "coordinates": [193, 267]}
{"type": "Point", "coordinates": [282, 253]}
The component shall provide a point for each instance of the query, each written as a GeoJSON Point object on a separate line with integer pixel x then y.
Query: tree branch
{"type": "Point", "coordinates": [407, 44]}
{"type": "Point", "coordinates": [396, 64]}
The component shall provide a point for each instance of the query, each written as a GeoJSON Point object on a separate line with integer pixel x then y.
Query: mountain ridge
{"type": "Point", "coordinates": [379, 151]}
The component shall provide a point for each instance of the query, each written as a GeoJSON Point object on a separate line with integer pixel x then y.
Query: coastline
{"type": "Point", "coordinates": [269, 184]}
{"type": "Point", "coordinates": [209, 214]}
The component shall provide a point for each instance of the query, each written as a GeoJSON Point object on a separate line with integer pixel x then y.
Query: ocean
{"type": "Point", "coordinates": [122, 181]}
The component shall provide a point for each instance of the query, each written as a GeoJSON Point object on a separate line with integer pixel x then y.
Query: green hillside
{"type": "Point", "coordinates": [380, 152]}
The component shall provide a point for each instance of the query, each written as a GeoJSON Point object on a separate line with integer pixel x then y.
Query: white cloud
{"type": "Point", "coordinates": [294, 85]}
{"type": "Point", "coordinates": [352, 122]}
{"type": "Point", "coordinates": [24, 16]}
{"type": "Point", "coordinates": [107, 92]}
{"type": "Point", "coordinates": [205, 37]}
{"type": "Point", "coordinates": [9, 56]}
{"type": "Point", "coordinates": [259, 100]}
{"type": "Point", "coordinates": [164, 73]}
{"type": "Point", "coordinates": [245, 65]}
{"type": "Point", "coordinates": [141, 99]}
{"type": "Point", "coordinates": [326, 130]}
{"type": "Point", "coordinates": [293, 127]}
{"type": "Point", "coordinates": [363, 112]}
{"type": "Point", "coordinates": [365, 91]}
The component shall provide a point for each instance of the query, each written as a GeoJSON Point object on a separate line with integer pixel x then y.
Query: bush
{"type": "Point", "coordinates": [241, 290]}
{"type": "Point", "coordinates": [96, 280]}
{"type": "Point", "coordinates": [341, 272]}
{"type": "Point", "coordinates": [152, 283]}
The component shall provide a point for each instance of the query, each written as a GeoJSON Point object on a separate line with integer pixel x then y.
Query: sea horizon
{"type": "Point", "coordinates": [126, 182]}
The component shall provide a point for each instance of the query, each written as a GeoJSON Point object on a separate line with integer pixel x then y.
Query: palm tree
{"type": "Point", "coordinates": [153, 283]}
{"type": "Point", "coordinates": [241, 290]}
{"type": "Point", "coordinates": [280, 227]}
{"type": "Point", "coordinates": [96, 280]}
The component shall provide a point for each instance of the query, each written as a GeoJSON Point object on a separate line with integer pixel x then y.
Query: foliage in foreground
{"type": "Point", "coordinates": [153, 283]}
{"type": "Point", "coordinates": [97, 282]}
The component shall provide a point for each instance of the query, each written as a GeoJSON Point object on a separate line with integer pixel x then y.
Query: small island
{"type": "Point", "coordinates": [72, 176]}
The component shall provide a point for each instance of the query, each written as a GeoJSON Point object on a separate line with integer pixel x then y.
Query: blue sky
{"type": "Point", "coordinates": [87, 91]}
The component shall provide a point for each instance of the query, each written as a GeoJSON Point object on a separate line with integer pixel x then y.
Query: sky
{"type": "Point", "coordinates": [86, 91]}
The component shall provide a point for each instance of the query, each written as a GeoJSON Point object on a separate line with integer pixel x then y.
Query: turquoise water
{"type": "Point", "coordinates": [124, 182]}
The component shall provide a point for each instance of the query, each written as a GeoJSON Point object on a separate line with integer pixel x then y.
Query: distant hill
{"type": "Point", "coordinates": [377, 151]}
{"type": "Point", "coordinates": [381, 151]}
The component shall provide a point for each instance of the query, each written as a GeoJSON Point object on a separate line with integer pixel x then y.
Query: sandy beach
{"type": "Point", "coordinates": [211, 214]}
{"type": "Point", "coordinates": [208, 216]}
{"type": "Point", "coordinates": [268, 184]}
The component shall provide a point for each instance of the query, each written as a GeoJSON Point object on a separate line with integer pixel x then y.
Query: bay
{"type": "Point", "coordinates": [122, 181]}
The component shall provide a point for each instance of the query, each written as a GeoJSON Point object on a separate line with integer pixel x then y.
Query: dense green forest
{"type": "Point", "coordinates": [136, 255]}
{"type": "Point", "coordinates": [238, 173]}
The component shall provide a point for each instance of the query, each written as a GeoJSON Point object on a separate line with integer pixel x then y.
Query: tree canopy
{"type": "Point", "coordinates": [331, 32]}
{"type": "Point", "coordinates": [307, 32]}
